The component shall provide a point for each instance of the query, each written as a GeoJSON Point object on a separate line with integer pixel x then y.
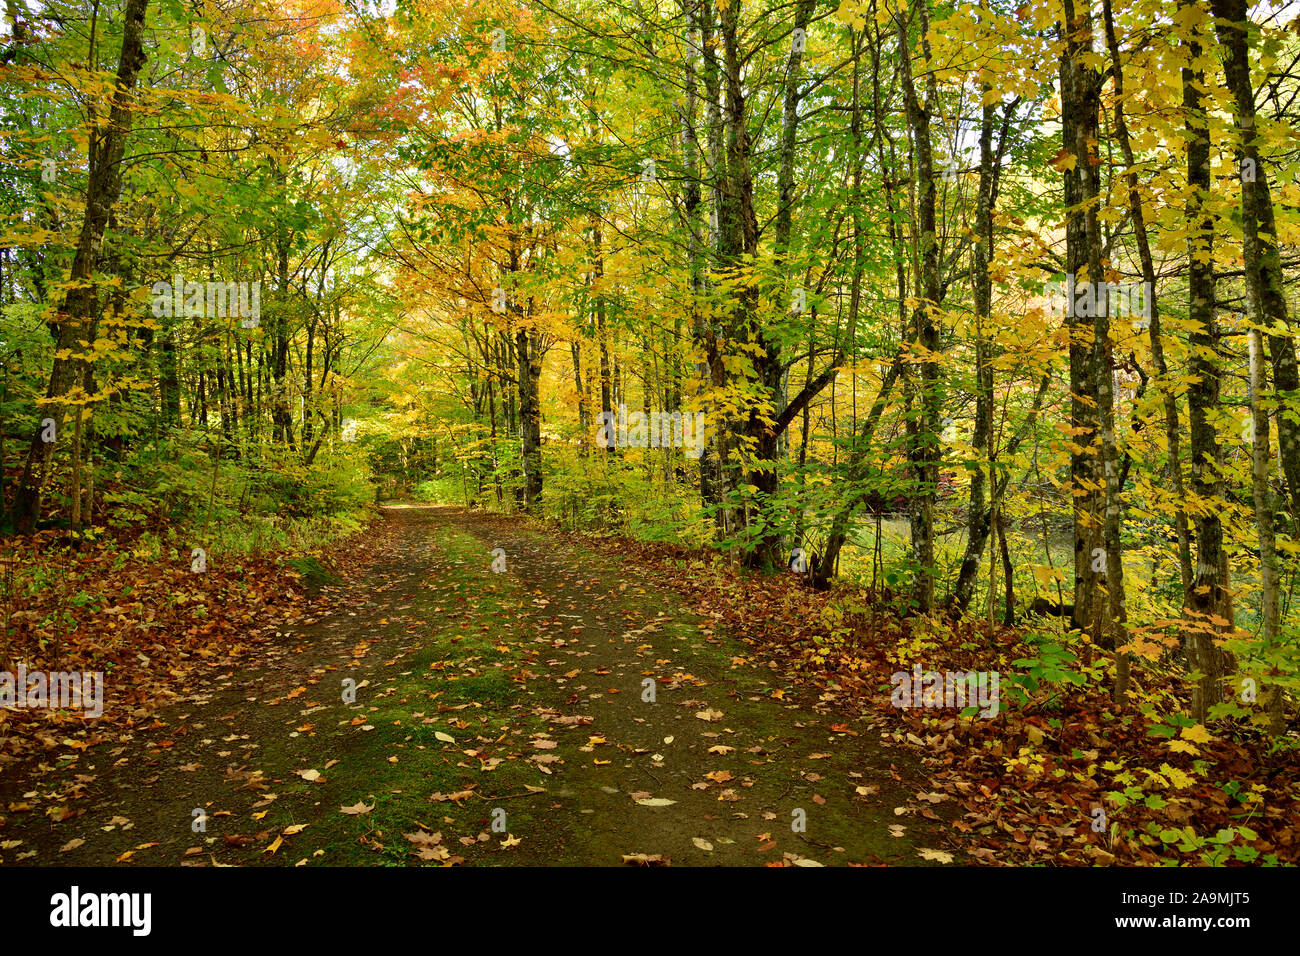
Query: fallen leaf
{"type": "Point", "coordinates": [938, 855]}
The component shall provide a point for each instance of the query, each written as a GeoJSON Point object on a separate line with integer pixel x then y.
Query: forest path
{"type": "Point", "coordinates": [501, 718]}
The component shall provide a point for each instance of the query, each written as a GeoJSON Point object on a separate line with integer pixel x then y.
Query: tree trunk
{"type": "Point", "coordinates": [1080, 102]}
{"type": "Point", "coordinates": [1264, 266]}
{"type": "Point", "coordinates": [1207, 603]}
{"type": "Point", "coordinates": [529, 372]}
{"type": "Point", "coordinates": [924, 452]}
{"type": "Point", "coordinates": [77, 318]}
{"type": "Point", "coordinates": [1265, 309]}
{"type": "Point", "coordinates": [979, 513]}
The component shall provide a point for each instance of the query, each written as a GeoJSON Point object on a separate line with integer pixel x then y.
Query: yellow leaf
{"type": "Point", "coordinates": [1197, 734]}
{"type": "Point", "coordinates": [1064, 160]}
{"type": "Point", "coordinates": [1177, 779]}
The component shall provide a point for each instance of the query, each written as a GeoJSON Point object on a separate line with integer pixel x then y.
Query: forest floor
{"type": "Point", "coordinates": [500, 718]}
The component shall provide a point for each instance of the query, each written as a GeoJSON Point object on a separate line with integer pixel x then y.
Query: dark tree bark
{"type": "Point", "coordinates": [1080, 102]}
{"type": "Point", "coordinates": [924, 452]}
{"type": "Point", "coordinates": [77, 317]}
{"type": "Point", "coordinates": [980, 512]}
{"type": "Point", "coordinates": [1208, 597]}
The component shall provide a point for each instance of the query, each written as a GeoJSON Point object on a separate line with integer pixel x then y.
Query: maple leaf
{"type": "Point", "coordinates": [1197, 734]}
{"type": "Point", "coordinates": [1063, 161]}
{"type": "Point", "coordinates": [1177, 778]}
